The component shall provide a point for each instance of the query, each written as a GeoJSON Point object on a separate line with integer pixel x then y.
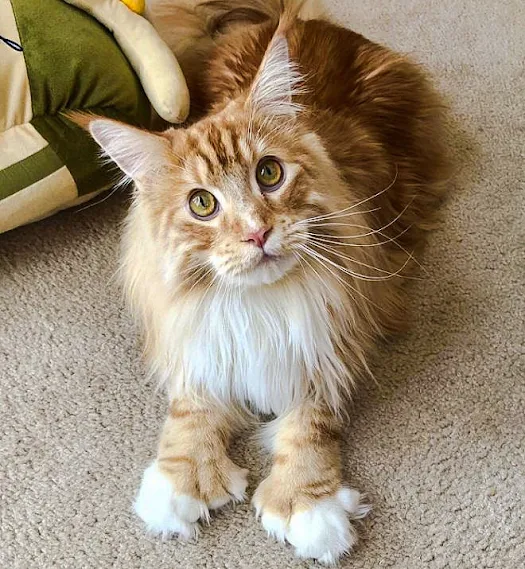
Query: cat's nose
{"type": "Point", "coordinates": [259, 237]}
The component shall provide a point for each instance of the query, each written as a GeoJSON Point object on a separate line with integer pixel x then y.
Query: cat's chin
{"type": "Point", "coordinates": [268, 271]}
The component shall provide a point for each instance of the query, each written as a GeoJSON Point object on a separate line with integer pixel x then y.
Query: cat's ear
{"type": "Point", "coordinates": [276, 82]}
{"type": "Point", "coordinates": [138, 153]}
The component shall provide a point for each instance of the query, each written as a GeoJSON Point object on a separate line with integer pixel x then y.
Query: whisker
{"type": "Point", "coordinates": [337, 214]}
{"type": "Point", "coordinates": [320, 256]}
{"type": "Point", "coordinates": [334, 251]}
{"type": "Point", "coordinates": [315, 237]}
{"type": "Point", "coordinates": [334, 238]}
{"type": "Point", "coordinates": [349, 208]}
{"type": "Point", "coordinates": [338, 224]}
{"type": "Point", "coordinates": [206, 291]}
{"type": "Point", "coordinates": [117, 186]}
{"type": "Point", "coordinates": [368, 277]}
{"type": "Point", "coordinates": [321, 280]}
{"type": "Point", "coordinates": [346, 284]}
{"type": "Point", "coordinates": [191, 269]}
{"type": "Point", "coordinates": [206, 273]}
{"type": "Point", "coordinates": [353, 273]}
{"type": "Point", "coordinates": [373, 231]}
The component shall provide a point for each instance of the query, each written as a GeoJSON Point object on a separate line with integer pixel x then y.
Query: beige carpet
{"type": "Point", "coordinates": [439, 447]}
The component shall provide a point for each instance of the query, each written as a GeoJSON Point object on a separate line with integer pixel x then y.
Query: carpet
{"type": "Point", "coordinates": [438, 445]}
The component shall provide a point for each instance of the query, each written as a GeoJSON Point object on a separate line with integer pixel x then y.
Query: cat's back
{"type": "Point", "coordinates": [340, 67]}
{"type": "Point", "coordinates": [346, 78]}
{"type": "Point", "coordinates": [321, 50]}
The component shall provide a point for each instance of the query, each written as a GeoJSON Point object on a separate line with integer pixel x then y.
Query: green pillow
{"type": "Point", "coordinates": [54, 58]}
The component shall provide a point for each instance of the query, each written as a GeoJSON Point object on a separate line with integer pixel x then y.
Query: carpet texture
{"type": "Point", "coordinates": [438, 445]}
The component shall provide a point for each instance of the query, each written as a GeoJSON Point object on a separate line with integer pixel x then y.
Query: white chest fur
{"type": "Point", "coordinates": [264, 346]}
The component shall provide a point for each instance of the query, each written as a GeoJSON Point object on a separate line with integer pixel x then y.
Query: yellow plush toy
{"type": "Point", "coordinates": [137, 6]}
{"type": "Point", "coordinates": [153, 61]}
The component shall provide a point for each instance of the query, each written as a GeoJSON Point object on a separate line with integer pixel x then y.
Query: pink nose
{"type": "Point", "coordinates": [259, 237]}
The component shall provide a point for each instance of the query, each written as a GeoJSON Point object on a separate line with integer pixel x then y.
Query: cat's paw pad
{"type": "Point", "coordinates": [163, 510]}
{"type": "Point", "coordinates": [321, 532]}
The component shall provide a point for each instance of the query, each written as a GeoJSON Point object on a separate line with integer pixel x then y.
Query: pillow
{"type": "Point", "coordinates": [55, 57]}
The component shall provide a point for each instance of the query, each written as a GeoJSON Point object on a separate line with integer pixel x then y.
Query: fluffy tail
{"type": "Point", "coordinates": [191, 27]}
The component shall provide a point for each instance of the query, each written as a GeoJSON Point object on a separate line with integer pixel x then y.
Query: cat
{"type": "Point", "coordinates": [266, 253]}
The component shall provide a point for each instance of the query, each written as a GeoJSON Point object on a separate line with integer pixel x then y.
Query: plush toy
{"type": "Point", "coordinates": [56, 56]}
{"type": "Point", "coordinates": [154, 63]}
{"type": "Point", "coordinates": [135, 5]}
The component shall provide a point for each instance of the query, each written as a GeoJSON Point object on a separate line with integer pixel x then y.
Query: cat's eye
{"type": "Point", "coordinates": [269, 174]}
{"type": "Point", "coordinates": [203, 204]}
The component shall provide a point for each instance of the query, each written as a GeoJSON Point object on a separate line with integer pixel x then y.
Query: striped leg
{"type": "Point", "coordinates": [303, 499]}
{"type": "Point", "coordinates": [192, 473]}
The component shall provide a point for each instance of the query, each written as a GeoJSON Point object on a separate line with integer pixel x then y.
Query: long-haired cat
{"type": "Point", "coordinates": [265, 255]}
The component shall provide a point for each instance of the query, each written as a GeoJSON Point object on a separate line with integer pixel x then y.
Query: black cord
{"type": "Point", "coordinates": [12, 44]}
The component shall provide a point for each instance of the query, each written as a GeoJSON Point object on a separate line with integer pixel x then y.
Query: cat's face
{"type": "Point", "coordinates": [228, 198]}
{"type": "Point", "coordinates": [231, 196]}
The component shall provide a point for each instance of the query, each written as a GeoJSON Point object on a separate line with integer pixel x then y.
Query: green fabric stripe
{"type": "Point", "coordinates": [28, 171]}
{"type": "Point", "coordinates": [78, 151]}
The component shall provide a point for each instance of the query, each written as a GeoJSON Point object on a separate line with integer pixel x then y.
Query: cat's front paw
{"type": "Point", "coordinates": [321, 530]}
{"type": "Point", "coordinates": [166, 511]}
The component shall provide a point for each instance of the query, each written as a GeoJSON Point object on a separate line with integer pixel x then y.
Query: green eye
{"type": "Point", "coordinates": [269, 174]}
{"type": "Point", "coordinates": [203, 204]}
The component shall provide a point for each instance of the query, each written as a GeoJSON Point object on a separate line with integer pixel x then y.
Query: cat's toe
{"type": "Point", "coordinates": [235, 488]}
{"type": "Point", "coordinates": [163, 510]}
{"type": "Point", "coordinates": [323, 531]}
{"type": "Point", "coordinates": [275, 525]}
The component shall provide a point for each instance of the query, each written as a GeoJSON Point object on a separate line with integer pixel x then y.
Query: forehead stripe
{"type": "Point", "coordinates": [216, 142]}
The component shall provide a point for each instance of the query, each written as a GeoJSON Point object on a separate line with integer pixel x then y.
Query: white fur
{"type": "Point", "coordinates": [261, 345]}
{"type": "Point", "coordinates": [276, 82]}
{"type": "Point", "coordinates": [136, 152]}
{"type": "Point", "coordinates": [165, 512]}
{"type": "Point", "coordinates": [274, 525]}
{"type": "Point", "coordinates": [323, 532]}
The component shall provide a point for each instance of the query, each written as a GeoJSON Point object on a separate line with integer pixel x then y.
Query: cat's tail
{"type": "Point", "coordinates": [191, 27]}
{"type": "Point", "coordinates": [225, 13]}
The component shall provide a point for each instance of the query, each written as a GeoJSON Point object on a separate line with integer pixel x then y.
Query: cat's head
{"type": "Point", "coordinates": [230, 195]}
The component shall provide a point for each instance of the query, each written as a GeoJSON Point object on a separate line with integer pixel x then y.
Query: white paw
{"type": "Point", "coordinates": [166, 512]}
{"type": "Point", "coordinates": [324, 531]}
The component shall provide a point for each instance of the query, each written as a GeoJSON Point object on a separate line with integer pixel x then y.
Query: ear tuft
{"type": "Point", "coordinates": [82, 119]}
{"type": "Point", "coordinates": [276, 82]}
{"type": "Point", "coordinates": [138, 153]}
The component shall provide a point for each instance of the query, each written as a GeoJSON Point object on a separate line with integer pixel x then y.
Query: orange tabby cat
{"type": "Point", "coordinates": [265, 254]}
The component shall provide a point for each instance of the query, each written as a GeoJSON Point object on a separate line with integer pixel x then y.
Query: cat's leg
{"type": "Point", "coordinates": [192, 473]}
{"type": "Point", "coordinates": [303, 500]}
